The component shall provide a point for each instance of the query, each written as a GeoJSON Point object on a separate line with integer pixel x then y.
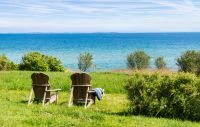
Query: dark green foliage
{"type": "Point", "coordinates": [138, 60]}
{"type": "Point", "coordinates": [160, 63]}
{"type": "Point", "coordinates": [54, 64]}
{"type": "Point", "coordinates": [35, 61]}
{"type": "Point", "coordinates": [171, 96]}
{"type": "Point", "coordinates": [85, 61]}
{"type": "Point", "coordinates": [189, 62]}
{"type": "Point", "coordinates": [6, 64]}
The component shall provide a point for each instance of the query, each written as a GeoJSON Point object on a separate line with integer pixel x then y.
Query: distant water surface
{"type": "Point", "coordinates": [109, 49]}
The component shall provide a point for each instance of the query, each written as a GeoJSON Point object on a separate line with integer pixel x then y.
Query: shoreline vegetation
{"type": "Point", "coordinates": [143, 71]}
{"type": "Point", "coordinates": [35, 61]}
{"type": "Point", "coordinates": [137, 60]}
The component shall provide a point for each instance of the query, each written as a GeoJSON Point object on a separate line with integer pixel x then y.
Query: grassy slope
{"type": "Point", "coordinates": [109, 112]}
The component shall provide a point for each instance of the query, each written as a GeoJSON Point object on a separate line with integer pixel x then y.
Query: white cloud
{"type": "Point", "coordinates": [99, 15]}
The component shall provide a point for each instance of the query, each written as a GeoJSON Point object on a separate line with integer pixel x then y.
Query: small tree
{"type": "Point", "coordinates": [6, 64]}
{"type": "Point", "coordinates": [160, 63]}
{"type": "Point", "coordinates": [138, 60]}
{"type": "Point", "coordinates": [85, 61]}
{"type": "Point", "coordinates": [189, 62]}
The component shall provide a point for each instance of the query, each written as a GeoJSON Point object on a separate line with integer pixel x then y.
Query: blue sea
{"type": "Point", "coordinates": [109, 49]}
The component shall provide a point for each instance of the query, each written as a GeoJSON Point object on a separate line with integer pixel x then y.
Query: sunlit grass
{"type": "Point", "coordinates": [20, 80]}
{"type": "Point", "coordinates": [111, 111]}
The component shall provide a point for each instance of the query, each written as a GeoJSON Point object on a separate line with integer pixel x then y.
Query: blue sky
{"type": "Point", "coordinates": [18, 16]}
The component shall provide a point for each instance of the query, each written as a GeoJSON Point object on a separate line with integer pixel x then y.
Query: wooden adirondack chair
{"type": "Point", "coordinates": [81, 91]}
{"type": "Point", "coordinates": [41, 89]}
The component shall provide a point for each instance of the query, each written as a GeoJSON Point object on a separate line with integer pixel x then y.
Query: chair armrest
{"type": "Point", "coordinates": [91, 91]}
{"type": "Point", "coordinates": [81, 85]}
{"type": "Point", "coordinates": [53, 90]}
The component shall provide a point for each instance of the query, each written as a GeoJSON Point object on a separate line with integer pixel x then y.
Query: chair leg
{"type": "Point", "coordinates": [43, 101]}
{"type": "Point", "coordinates": [86, 99]}
{"type": "Point", "coordinates": [44, 97]}
{"type": "Point", "coordinates": [71, 96]}
{"type": "Point", "coordinates": [90, 103]}
{"type": "Point", "coordinates": [30, 96]}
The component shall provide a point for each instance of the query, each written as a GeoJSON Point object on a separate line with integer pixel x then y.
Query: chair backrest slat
{"type": "Point", "coordinates": [81, 83]}
{"type": "Point", "coordinates": [40, 83]}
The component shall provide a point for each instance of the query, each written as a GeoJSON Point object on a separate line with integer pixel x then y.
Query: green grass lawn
{"type": "Point", "coordinates": [21, 80]}
{"type": "Point", "coordinates": [111, 111]}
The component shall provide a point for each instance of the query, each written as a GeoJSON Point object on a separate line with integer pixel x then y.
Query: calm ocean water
{"type": "Point", "coordinates": [109, 49]}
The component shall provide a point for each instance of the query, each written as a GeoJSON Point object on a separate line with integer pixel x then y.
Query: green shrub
{"type": "Point", "coordinates": [85, 61]}
{"type": "Point", "coordinates": [189, 62]}
{"type": "Point", "coordinates": [138, 60]}
{"type": "Point", "coordinates": [171, 96]}
{"type": "Point", "coordinates": [6, 64]}
{"type": "Point", "coordinates": [35, 61]}
{"type": "Point", "coordinates": [54, 64]}
{"type": "Point", "coordinates": [160, 63]}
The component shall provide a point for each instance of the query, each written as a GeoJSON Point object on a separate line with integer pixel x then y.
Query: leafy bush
{"type": "Point", "coordinates": [189, 62]}
{"type": "Point", "coordinates": [54, 64]}
{"type": "Point", "coordinates": [160, 63]}
{"type": "Point", "coordinates": [34, 61]}
{"type": "Point", "coordinates": [6, 64]}
{"type": "Point", "coordinates": [171, 96]}
{"type": "Point", "coordinates": [138, 60]}
{"type": "Point", "coordinates": [85, 61]}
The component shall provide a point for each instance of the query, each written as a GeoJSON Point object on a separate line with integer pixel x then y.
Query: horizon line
{"type": "Point", "coordinates": [96, 32]}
